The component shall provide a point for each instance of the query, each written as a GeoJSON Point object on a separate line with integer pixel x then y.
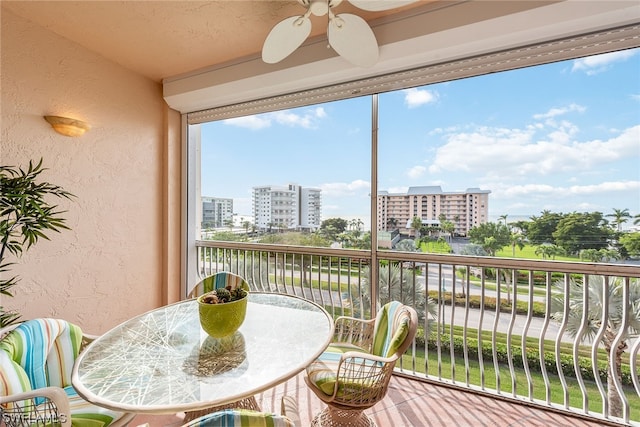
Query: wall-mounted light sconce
{"type": "Point", "coordinates": [67, 126]}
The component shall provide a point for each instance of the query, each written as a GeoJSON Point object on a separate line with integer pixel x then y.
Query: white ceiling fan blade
{"type": "Point", "coordinates": [353, 39]}
{"type": "Point", "coordinates": [378, 5]}
{"type": "Point", "coordinates": [284, 38]}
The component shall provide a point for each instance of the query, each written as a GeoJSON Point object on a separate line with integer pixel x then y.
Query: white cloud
{"type": "Point", "coordinates": [290, 119]}
{"type": "Point", "coordinates": [558, 111]}
{"type": "Point", "coordinates": [397, 190]}
{"type": "Point", "coordinates": [523, 191]}
{"type": "Point", "coordinates": [249, 122]}
{"type": "Point", "coordinates": [440, 131]}
{"type": "Point", "coordinates": [417, 97]}
{"type": "Point", "coordinates": [600, 63]}
{"type": "Point", "coordinates": [605, 187]}
{"type": "Point", "coordinates": [479, 149]}
{"type": "Point", "coordinates": [529, 191]}
{"type": "Point", "coordinates": [515, 152]}
{"type": "Point", "coordinates": [320, 112]}
{"type": "Point", "coordinates": [308, 119]}
{"type": "Point", "coordinates": [416, 172]}
{"type": "Point", "coordinates": [341, 189]}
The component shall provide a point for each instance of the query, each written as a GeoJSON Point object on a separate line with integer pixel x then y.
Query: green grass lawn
{"type": "Point", "coordinates": [529, 252]}
{"type": "Point", "coordinates": [575, 397]}
{"type": "Point", "coordinates": [435, 247]}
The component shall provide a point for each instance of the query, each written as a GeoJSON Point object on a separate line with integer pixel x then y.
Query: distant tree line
{"type": "Point", "coordinates": [589, 235]}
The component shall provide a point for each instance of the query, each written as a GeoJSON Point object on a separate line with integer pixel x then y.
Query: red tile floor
{"type": "Point", "coordinates": [409, 403]}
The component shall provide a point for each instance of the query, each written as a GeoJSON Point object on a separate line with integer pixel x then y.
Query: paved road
{"type": "Point", "coordinates": [477, 319]}
{"type": "Point", "coordinates": [473, 317]}
{"type": "Point", "coordinates": [447, 284]}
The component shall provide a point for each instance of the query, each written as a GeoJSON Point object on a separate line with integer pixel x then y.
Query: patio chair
{"type": "Point", "coordinates": [215, 281]}
{"type": "Point", "coordinates": [354, 372]}
{"type": "Point", "coordinates": [245, 417]}
{"type": "Point", "coordinates": [36, 360]}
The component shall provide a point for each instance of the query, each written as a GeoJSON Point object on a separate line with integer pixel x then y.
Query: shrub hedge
{"type": "Point", "coordinates": [566, 361]}
{"type": "Point", "coordinates": [522, 307]}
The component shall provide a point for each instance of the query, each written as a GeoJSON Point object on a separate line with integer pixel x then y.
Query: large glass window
{"type": "Point", "coordinates": [559, 138]}
{"type": "Point", "coordinates": [537, 143]}
{"type": "Point", "coordinates": [276, 177]}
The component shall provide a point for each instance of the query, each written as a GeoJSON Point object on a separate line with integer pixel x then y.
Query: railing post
{"type": "Point", "coordinates": [373, 269]}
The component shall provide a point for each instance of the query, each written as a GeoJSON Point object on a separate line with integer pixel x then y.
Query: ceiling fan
{"type": "Point", "coordinates": [349, 35]}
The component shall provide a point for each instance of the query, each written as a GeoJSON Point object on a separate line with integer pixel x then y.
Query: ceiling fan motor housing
{"type": "Point", "coordinates": [319, 7]}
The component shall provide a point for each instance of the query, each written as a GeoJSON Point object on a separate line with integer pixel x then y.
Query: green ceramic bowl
{"type": "Point", "coordinates": [222, 320]}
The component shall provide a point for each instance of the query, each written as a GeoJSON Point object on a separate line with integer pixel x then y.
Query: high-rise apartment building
{"type": "Point", "coordinates": [287, 207]}
{"type": "Point", "coordinates": [465, 209]}
{"type": "Point", "coordinates": [216, 212]}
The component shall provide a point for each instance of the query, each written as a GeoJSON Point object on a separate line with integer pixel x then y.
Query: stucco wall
{"type": "Point", "coordinates": [111, 265]}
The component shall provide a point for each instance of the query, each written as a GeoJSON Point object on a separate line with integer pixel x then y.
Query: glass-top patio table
{"type": "Point", "coordinates": [163, 362]}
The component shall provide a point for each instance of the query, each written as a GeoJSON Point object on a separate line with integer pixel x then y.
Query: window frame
{"type": "Point", "coordinates": [568, 48]}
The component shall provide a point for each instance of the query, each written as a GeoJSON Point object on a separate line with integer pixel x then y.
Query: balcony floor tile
{"type": "Point", "coordinates": [410, 403]}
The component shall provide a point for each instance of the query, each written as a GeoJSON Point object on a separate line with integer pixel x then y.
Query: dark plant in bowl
{"type": "Point", "coordinates": [222, 295]}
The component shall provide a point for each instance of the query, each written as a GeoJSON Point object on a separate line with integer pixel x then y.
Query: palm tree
{"type": "Point", "coordinates": [592, 255]}
{"type": "Point", "coordinates": [636, 219]}
{"type": "Point", "coordinates": [392, 223]}
{"type": "Point", "coordinates": [400, 284]}
{"type": "Point", "coordinates": [356, 224]}
{"type": "Point", "coordinates": [406, 245]}
{"type": "Point", "coordinates": [416, 224]}
{"type": "Point", "coordinates": [620, 216]}
{"type": "Point", "coordinates": [246, 225]}
{"type": "Point", "coordinates": [503, 218]}
{"type": "Point", "coordinates": [448, 227]}
{"type": "Point", "coordinates": [597, 302]}
{"type": "Point", "coordinates": [518, 240]}
{"type": "Point", "coordinates": [599, 255]}
{"type": "Point", "coordinates": [549, 251]}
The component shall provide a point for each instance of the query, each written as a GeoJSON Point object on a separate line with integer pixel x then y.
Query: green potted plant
{"type": "Point", "coordinates": [25, 217]}
{"type": "Point", "coordinates": [223, 310]}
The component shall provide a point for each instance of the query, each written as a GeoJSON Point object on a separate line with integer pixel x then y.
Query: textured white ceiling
{"type": "Point", "coordinates": [160, 39]}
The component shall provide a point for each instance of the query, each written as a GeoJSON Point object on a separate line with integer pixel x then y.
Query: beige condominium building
{"type": "Point", "coordinates": [465, 209]}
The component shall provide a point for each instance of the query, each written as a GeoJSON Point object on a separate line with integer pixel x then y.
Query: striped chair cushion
{"type": "Point", "coordinates": [13, 380]}
{"type": "Point", "coordinates": [41, 353]}
{"type": "Point", "coordinates": [216, 281]}
{"type": "Point", "coordinates": [85, 414]}
{"type": "Point", "coordinates": [323, 372]}
{"type": "Point", "coordinates": [46, 349]}
{"type": "Point", "coordinates": [390, 330]}
{"type": "Point", "coordinates": [240, 417]}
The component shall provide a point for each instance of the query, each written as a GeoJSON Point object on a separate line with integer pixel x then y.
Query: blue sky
{"type": "Point", "coordinates": [562, 137]}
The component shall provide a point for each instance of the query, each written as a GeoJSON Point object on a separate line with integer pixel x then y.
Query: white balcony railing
{"type": "Point", "coordinates": [552, 342]}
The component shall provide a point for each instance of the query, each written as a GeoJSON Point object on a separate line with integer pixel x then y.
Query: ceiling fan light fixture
{"type": "Point", "coordinates": [349, 35]}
